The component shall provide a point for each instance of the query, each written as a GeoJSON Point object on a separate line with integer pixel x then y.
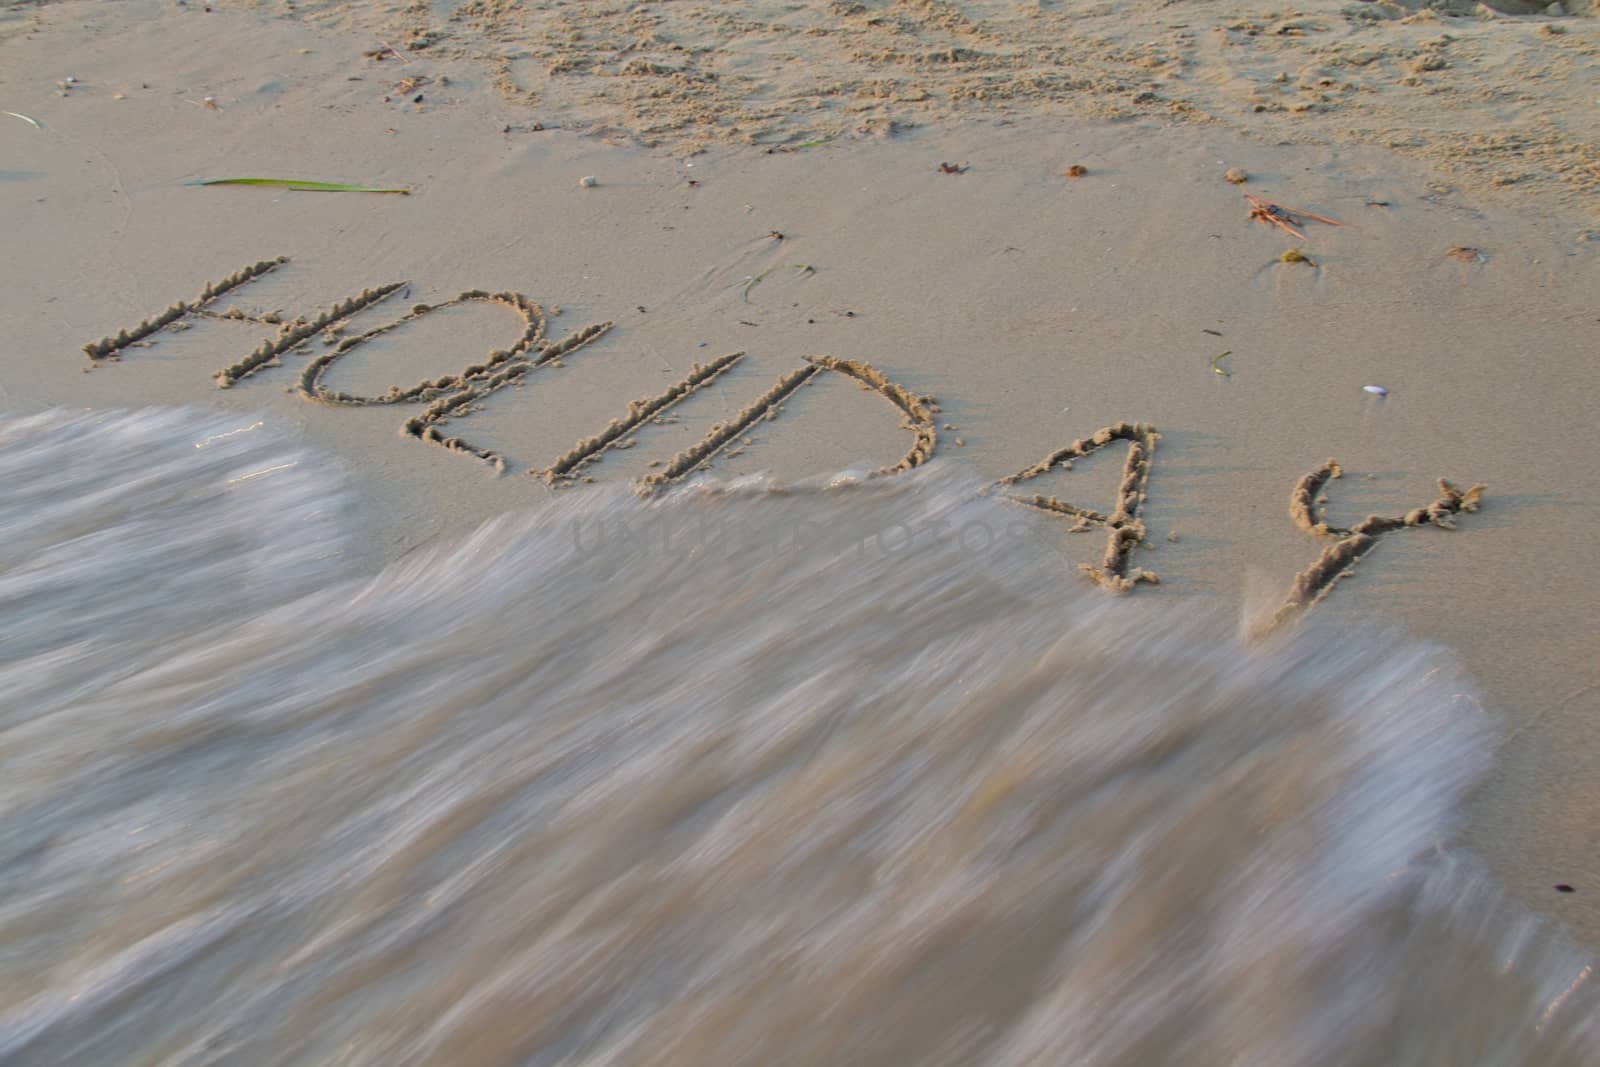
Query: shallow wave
{"type": "Point", "coordinates": [851, 775]}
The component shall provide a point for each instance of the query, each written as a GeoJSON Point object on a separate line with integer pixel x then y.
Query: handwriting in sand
{"type": "Point", "coordinates": [452, 399]}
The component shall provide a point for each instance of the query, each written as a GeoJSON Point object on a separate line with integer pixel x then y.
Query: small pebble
{"type": "Point", "coordinates": [1235, 175]}
{"type": "Point", "coordinates": [588, 181]}
{"type": "Point", "coordinates": [1375, 390]}
{"type": "Point", "coordinates": [1565, 888]}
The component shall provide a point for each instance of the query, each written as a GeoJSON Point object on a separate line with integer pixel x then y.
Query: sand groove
{"type": "Point", "coordinates": [1339, 559]}
{"type": "Point", "coordinates": [918, 411]}
{"type": "Point", "coordinates": [639, 411]}
{"type": "Point", "coordinates": [1303, 499]}
{"type": "Point", "coordinates": [475, 389]}
{"type": "Point", "coordinates": [293, 333]}
{"type": "Point", "coordinates": [110, 348]}
{"type": "Point", "coordinates": [764, 406]}
{"type": "Point", "coordinates": [1125, 529]}
{"type": "Point", "coordinates": [533, 329]}
{"type": "Point", "coordinates": [573, 342]}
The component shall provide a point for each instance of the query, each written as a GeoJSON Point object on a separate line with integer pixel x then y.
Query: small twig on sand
{"type": "Point", "coordinates": [400, 54]}
{"type": "Point", "coordinates": [1285, 218]}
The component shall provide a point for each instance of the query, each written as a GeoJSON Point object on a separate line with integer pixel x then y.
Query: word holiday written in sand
{"type": "Point", "coordinates": [456, 397]}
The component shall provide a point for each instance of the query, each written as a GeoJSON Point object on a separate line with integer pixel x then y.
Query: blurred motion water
{"type": "Point", "coordinates": [849, 775]}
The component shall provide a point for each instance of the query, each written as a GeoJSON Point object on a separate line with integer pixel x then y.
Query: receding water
{"type": "Point", "coordinates": [849, 775]}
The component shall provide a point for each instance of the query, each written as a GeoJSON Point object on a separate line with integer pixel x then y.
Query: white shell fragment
{"type": "Point", "coordinates": [588, 181]}
{"type": "Point", "coordinates": [1376, 390]}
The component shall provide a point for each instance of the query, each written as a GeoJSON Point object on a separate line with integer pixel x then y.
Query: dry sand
{"type": "Point", "coordinates": [768, 181]}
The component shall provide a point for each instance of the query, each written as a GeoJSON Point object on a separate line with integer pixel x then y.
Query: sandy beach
{"type": "Point", "coordinates": [891, 184]}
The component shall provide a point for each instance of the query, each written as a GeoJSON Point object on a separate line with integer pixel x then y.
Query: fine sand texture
{"type": "Point", "coordinates": [1494, 99]}
{"type": "Point", "coordinates": [648, 242]}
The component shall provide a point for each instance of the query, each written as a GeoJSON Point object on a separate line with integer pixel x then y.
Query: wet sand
{"type": "Point", "coordinates": [1034, 308]}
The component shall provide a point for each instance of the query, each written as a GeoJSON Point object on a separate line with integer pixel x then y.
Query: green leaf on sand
{"type": "Point", "coordinates": [803, 268]}
{"type": "Point", "coordinates": [753, 282]}
{"type": "Point", "coordinates": [19, 115]}
{"type": "Point", "coordinates": [295, 183]}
